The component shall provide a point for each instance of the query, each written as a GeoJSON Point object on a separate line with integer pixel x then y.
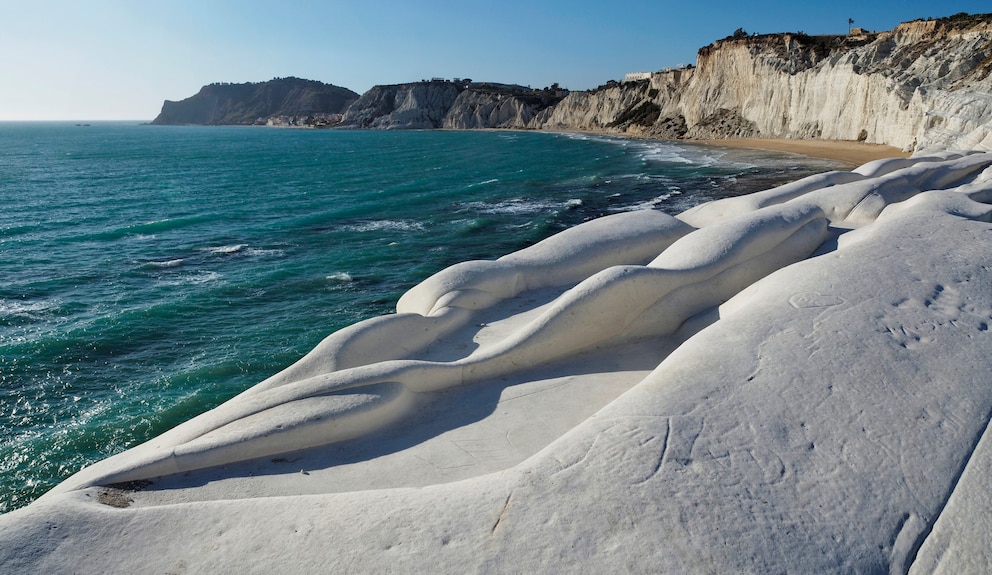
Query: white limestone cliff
{"type": "Point", "coordinates": [923, 85]}
{"type": "Point", "coordinates": [421, 105]}
{"type": "Point", "coordinates": [449, 104]}
{"type": "Point", "coordinates": [882, 92]}
{"type": "Point", "coordinates": [600, 109]}
{"type": "Point", "coordinates": [481, 108]}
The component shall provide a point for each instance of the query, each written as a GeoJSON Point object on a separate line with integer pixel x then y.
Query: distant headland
{"type": "Point", "coordinates": [256, 102]}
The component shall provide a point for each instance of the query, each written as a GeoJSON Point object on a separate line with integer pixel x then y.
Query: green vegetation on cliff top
{"type": "Point", "coordinates": [251, 102]}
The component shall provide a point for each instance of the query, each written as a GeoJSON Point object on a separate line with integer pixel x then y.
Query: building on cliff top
{"type": "Point", "coordinates": [635, 76]}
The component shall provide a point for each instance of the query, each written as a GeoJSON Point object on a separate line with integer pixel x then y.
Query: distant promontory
{"type": "Point", "coordinates": [295, 99]}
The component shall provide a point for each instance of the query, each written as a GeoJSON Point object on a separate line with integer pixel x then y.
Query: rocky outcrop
{"type": "Point", "coordinates": [255, 103]}
{"type": "Point", "coordinates": [792, 381]}
{"type": "Point", "coordinates": [621, 108]}
{"type": "Point", "coordinates": [444, 104]}
{"type": "Point", "coordinates": [723, 123]}
{"type": "Point", "coordinates": [420, 105]}
{"type": "Point", "coordinates": [922, 85]}
{"type": "Point", "coordinates": [500, 106]}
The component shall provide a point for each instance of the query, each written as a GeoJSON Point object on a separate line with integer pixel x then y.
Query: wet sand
{"type": "Point", "coordinates": [852, 152]}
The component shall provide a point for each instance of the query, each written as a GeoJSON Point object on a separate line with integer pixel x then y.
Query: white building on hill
{"type": "Point", "coordinates": [635, 76]}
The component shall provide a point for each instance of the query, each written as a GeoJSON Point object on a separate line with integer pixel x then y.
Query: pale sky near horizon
{"type": "Point", "coordinates": [119, 59]}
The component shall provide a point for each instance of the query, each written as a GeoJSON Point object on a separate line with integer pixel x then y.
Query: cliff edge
{"type": "Point", "coordinates": [925, 84]}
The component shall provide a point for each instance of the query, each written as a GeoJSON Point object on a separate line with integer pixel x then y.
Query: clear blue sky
{"type": "Point", "coordinates": [119, 59]}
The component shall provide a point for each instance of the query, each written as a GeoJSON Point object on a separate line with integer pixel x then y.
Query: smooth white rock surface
{"type": "Point", "coordinates": [795, 381]}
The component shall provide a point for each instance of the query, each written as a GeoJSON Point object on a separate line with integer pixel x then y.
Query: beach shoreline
{"type": "Point", "coordinates": [849, 152]}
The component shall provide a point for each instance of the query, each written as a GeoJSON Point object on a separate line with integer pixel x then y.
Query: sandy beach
{"type": "Point", "coordinates": [851, 152]}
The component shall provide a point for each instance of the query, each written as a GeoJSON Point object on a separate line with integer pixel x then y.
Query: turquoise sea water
{"type": "Point", "coordinates": [150, 273]}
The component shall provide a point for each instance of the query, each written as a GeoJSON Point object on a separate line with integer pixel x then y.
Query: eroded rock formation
{"type": "Point", "coordinates": [450, 104]}
{"type": "Point", "coordinates": [922, 85]}
{"type": "Point", "coordinates": [629, 277]}
{"type": "Point", "coordinates": [790, 381]}
{"type": "Point", "coordinates": [420, 105]}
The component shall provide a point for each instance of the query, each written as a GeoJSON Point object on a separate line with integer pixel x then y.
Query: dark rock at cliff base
{"type": "Point", "coordinates": [256, 102]}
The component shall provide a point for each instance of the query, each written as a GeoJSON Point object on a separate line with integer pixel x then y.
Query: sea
{"type": "Point", "coordinates": [152, 272]}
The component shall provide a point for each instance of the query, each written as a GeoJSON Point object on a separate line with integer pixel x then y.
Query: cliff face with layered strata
{"type": "Point", "coordinates": [487, 105]}
{"type": "Point", "coordinates": [443, 104]}
{"type": "Point", "coordinates": [924, 84]}
{"type": "Point", "coordinates": [420, 105]}
{"type": "Point", "coordinates": [648, 107]}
